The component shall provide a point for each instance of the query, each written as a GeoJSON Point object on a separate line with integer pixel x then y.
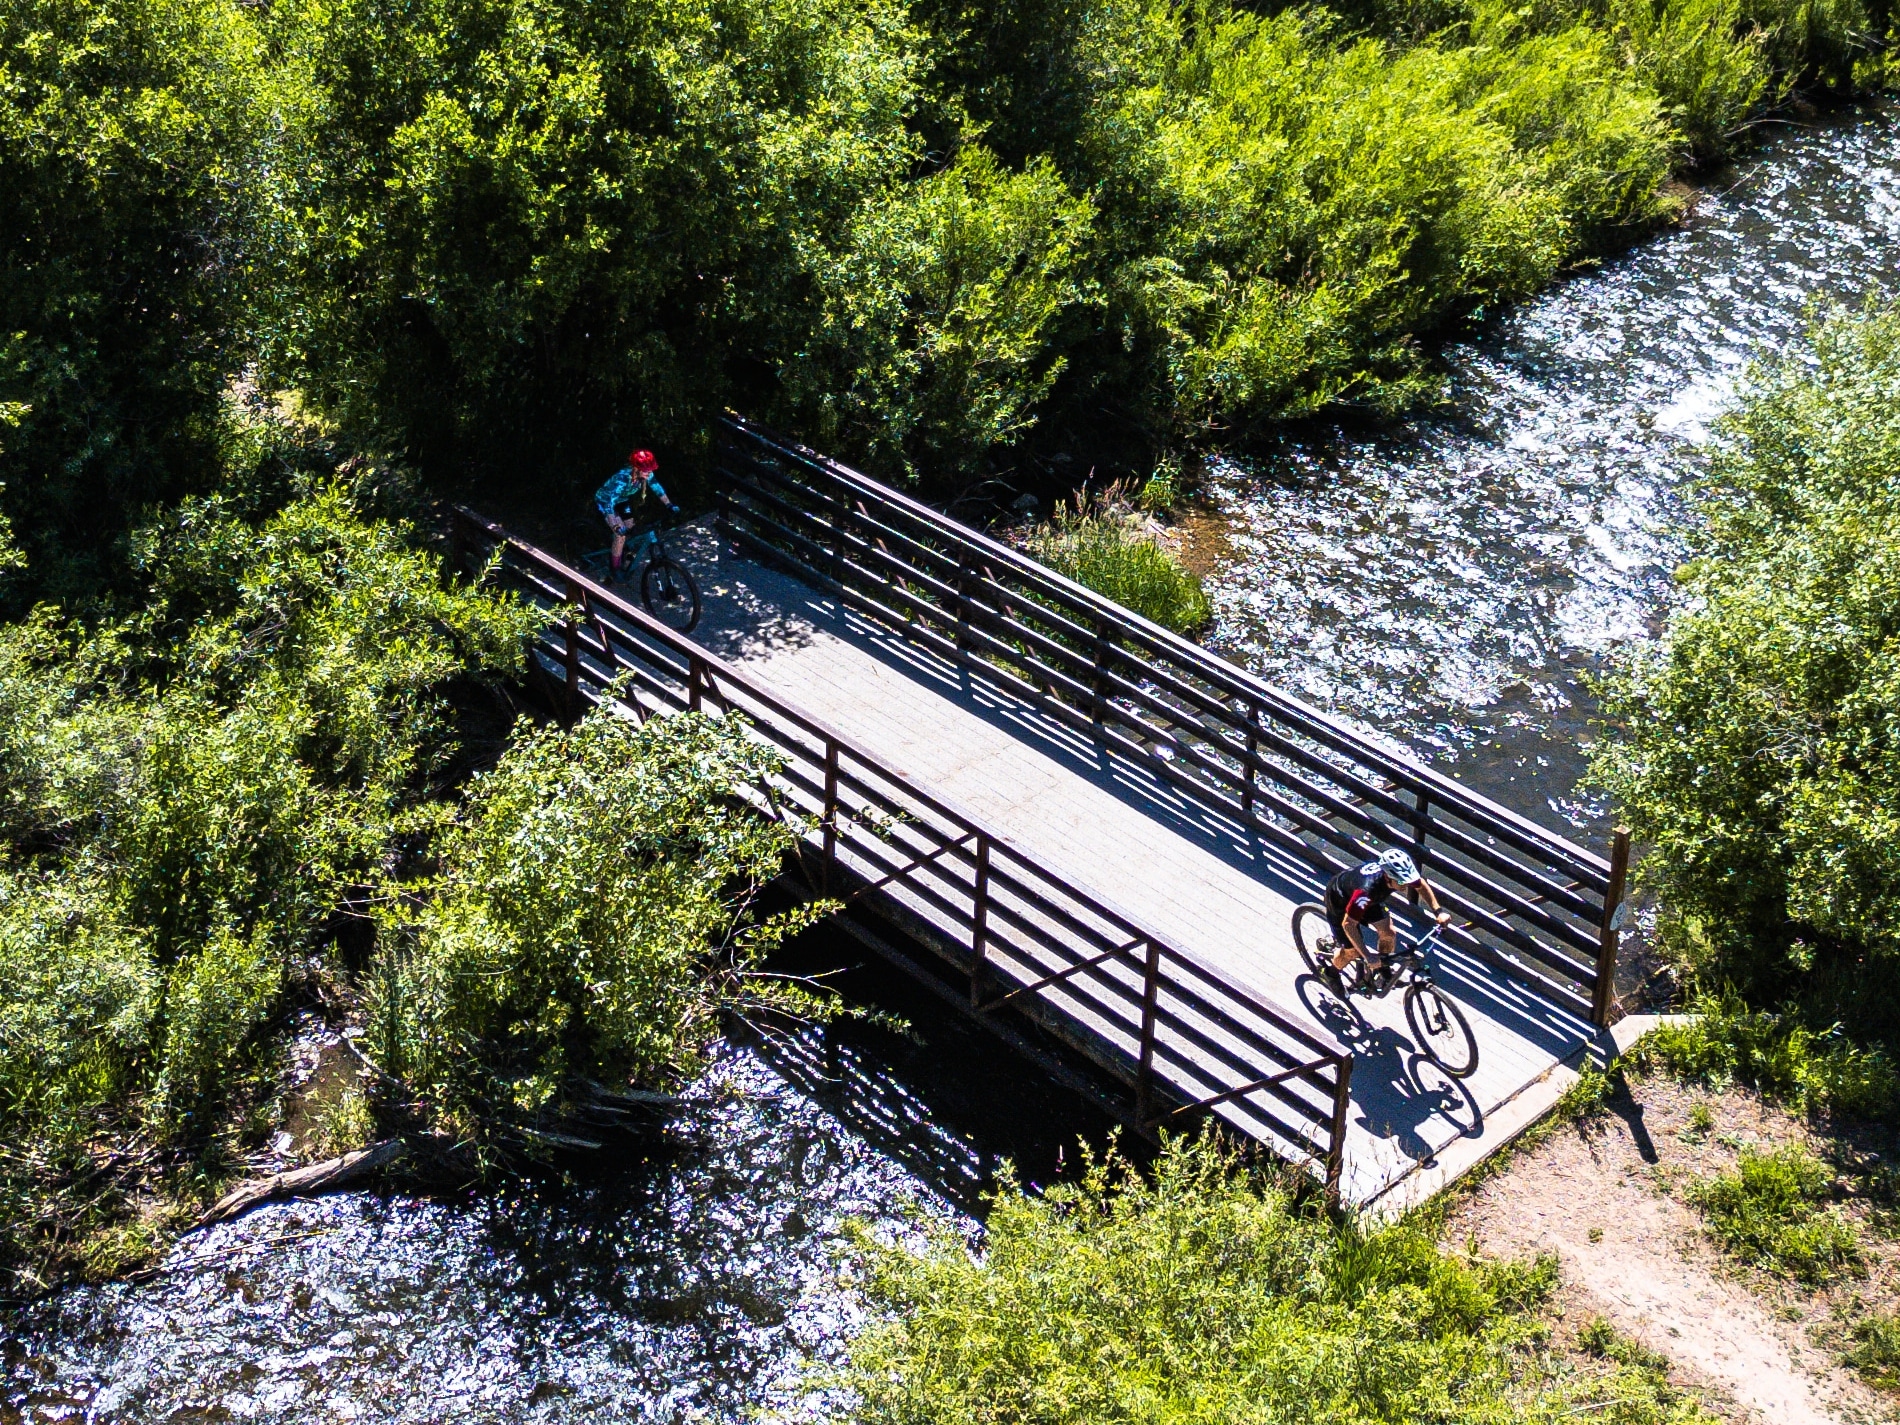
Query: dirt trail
{"type": "Point", "coordinates": [1651, 1273]}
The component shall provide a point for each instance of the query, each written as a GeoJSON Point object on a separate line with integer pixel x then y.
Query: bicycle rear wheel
{"type": "Point", "coordinates": [1439, 1028]}
{"type": "Point", "coordinates": [670, 594]}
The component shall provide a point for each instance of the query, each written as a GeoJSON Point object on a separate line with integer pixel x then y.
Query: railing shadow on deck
{"type": "Point", "coordinates": [1533, 904]}
{"type": "Point", "coordinates": [1028, 940]}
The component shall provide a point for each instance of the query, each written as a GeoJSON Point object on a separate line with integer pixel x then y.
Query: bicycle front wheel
{"type": "Point", "coordinates": [670, 594]}
{"type": "Point", "coordinates": [1439, 1028]}
{"type": "Point", "coordinates": [1312, 937]}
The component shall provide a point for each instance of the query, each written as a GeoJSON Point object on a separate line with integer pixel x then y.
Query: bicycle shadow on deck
{"type": "Point", "coordinates": [1398, 1092]}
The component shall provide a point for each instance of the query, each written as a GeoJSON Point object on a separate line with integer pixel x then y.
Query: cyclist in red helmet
{"type": "Point", "coordinates": [622, 494]}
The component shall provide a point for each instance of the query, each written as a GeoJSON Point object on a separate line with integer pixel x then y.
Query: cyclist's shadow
{"type": "Point", "coordinates": [1396, 1090]}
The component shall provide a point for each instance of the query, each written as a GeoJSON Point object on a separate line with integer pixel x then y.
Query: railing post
{"type": "Point", "coordinates": [1336, 1140]}
{"type": "Point", "coordinates": [980, 917]}
{"type": "Point", "coordinates": [965, 574]}
{"type": "Point", "coordinates": [1608, 932]}
{"type": "Point", "coordinates": [831, 809]}
{"type": "Point", "coordinates": [571, 628]}
{"type": "Point", "coordinates": [694, 680]}
{"type": "Point", "coordinates": [1253, 751]}
{"type": "Point", "coordinates": [1104, 645]}
{"type": "Point", "coordinates": [1421, 819]}
{"type": "Point", "coordinates": [840, 507]}
{"type": "Point", "coordinates": [1145, 1075]}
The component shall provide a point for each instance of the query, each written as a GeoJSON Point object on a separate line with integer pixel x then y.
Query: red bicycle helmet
{"type": "Point", "coordinates": [643, 461]}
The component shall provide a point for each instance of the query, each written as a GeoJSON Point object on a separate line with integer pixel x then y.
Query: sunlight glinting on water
{"type": "Point", "coordinates": [1448, 580]}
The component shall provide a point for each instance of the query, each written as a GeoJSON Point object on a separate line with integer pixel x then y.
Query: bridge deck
{"type": "Point", "coordinates": [1221, 893]}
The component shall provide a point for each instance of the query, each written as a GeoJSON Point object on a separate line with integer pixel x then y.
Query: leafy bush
{"type": "Point", "coordinates": [1776, 1054]}
{"type": "Point", "coordinates": [518, 231]}
{"type": "Point", "coordinates": [1103, 545]}
{"type": "Point", "coordinates": [1754, 749]}
{"type": "Point", "coordinates": [186, 795]}
{"type": "Point", "coordinates": [1200, 1294]}
{"type": "Point", "coordinates": [125, 208]}
{"type": "Point", "coordinates": [935, 345]}
{"type": "Point", "coordinates": [1283, 208]}
{"type": "Point", "coordinates": [589, 922]}
{"type": "Point", "coordinates": [1767, 1212]}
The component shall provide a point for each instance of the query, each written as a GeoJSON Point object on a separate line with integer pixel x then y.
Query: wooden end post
{"type": "Point", "coordinates": [1336, 1140]}
{"type": "Point", "coordinates": [980, 917]}
{"type": "Point", "coordinates": [1145, 1075]}
{"type": "Point", "coordinates": [1607, 935]}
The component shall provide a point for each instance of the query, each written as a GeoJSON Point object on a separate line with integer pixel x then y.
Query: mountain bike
{"type": "Point", "coordinates": [666, 589]}
{"type": "Point", "coordinates": [1438, 1025]}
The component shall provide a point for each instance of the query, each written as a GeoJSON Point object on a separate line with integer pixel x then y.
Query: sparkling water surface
{"type": "Point", "coordinates": [1445, 581]}
{"type": "Point", "coordinates": [1448, 580]}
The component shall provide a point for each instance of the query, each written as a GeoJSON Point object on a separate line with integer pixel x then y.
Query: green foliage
{"type": "Point", "coordinates": [1287, 208]}
{"type": "Point", "coordinates": [512, 223]}
{"type": "Point", "coordinates": [186, 795]}
{"type": "Point", "coordinates": [1599, 1338]}
{"type": "Point", "coordinates": [1704, 58]}
{"type": "Point", "coordinates": [1754, 749]}
{"type": "Point", "coordinates": [936, 341]}
{"type": "Point", "coordinates": [1768, 1212]}
{"type": "Point", "coordinates": [1876, 1349]}
{"type": "Point", "coordinates": [589, 922]}
{"type": "Point", "coordinates": [125, 217]}
{"type": "Point", "coordinates": [1776, 1054]}
{"type": "Point", "coordinates": [1201, 1295]}
{"type": "Point", "coordinates": [1103, 545]}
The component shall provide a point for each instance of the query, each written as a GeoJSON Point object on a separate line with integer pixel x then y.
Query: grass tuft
{"type": "Point", "coordinates": [1876, 1349]}
{"type": "Point", "coordinates": [1102, 544]}
{"type": "Point", "coordinates": [1775, 1054]}
{"type": "Point", "coordinates": [1769, 1212]}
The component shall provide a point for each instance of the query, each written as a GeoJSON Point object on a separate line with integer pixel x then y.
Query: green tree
{"type": "Point", "coordinates": [940, 333]}
{"type": "Point", "coordinates": [1201, 1295]}
{"type": "Point", "coordinates": [518, 230]}
{"type": "Point", "coordinates": [591, 920]}
{"type": "Point", "coordinates": [125, 244]}
{"type": "Point", "coordinates": [1285, 209]}
{"type": "Point", "coordinates": [1755, 747]}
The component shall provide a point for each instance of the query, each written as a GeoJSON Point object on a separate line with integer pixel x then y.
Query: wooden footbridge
{"type": "Point", "coordinates": [1095, 830]}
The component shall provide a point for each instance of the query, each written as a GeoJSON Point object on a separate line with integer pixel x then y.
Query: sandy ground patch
{"type": "Point", "coordinates": [1598, 1195]}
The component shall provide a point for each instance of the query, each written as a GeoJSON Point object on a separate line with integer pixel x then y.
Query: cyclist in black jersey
{"type": "Point", "coordinates": [1362, 896]}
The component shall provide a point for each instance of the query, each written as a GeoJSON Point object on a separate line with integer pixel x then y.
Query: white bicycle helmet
{"type": "Point", "coordinates": [1399, 866]}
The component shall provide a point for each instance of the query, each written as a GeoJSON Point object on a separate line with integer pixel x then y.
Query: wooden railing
{"type": "Point", "coordinates": [1027, 940]}
{"type": "Point", "coordinates": [1533, 904]}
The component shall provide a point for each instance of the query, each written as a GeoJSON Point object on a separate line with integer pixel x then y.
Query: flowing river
{"type": "Point", "coordinates": [1446, 582]}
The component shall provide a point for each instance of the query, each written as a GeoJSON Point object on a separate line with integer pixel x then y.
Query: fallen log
{"type": "Point", "coordinates": [303, 1182]}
